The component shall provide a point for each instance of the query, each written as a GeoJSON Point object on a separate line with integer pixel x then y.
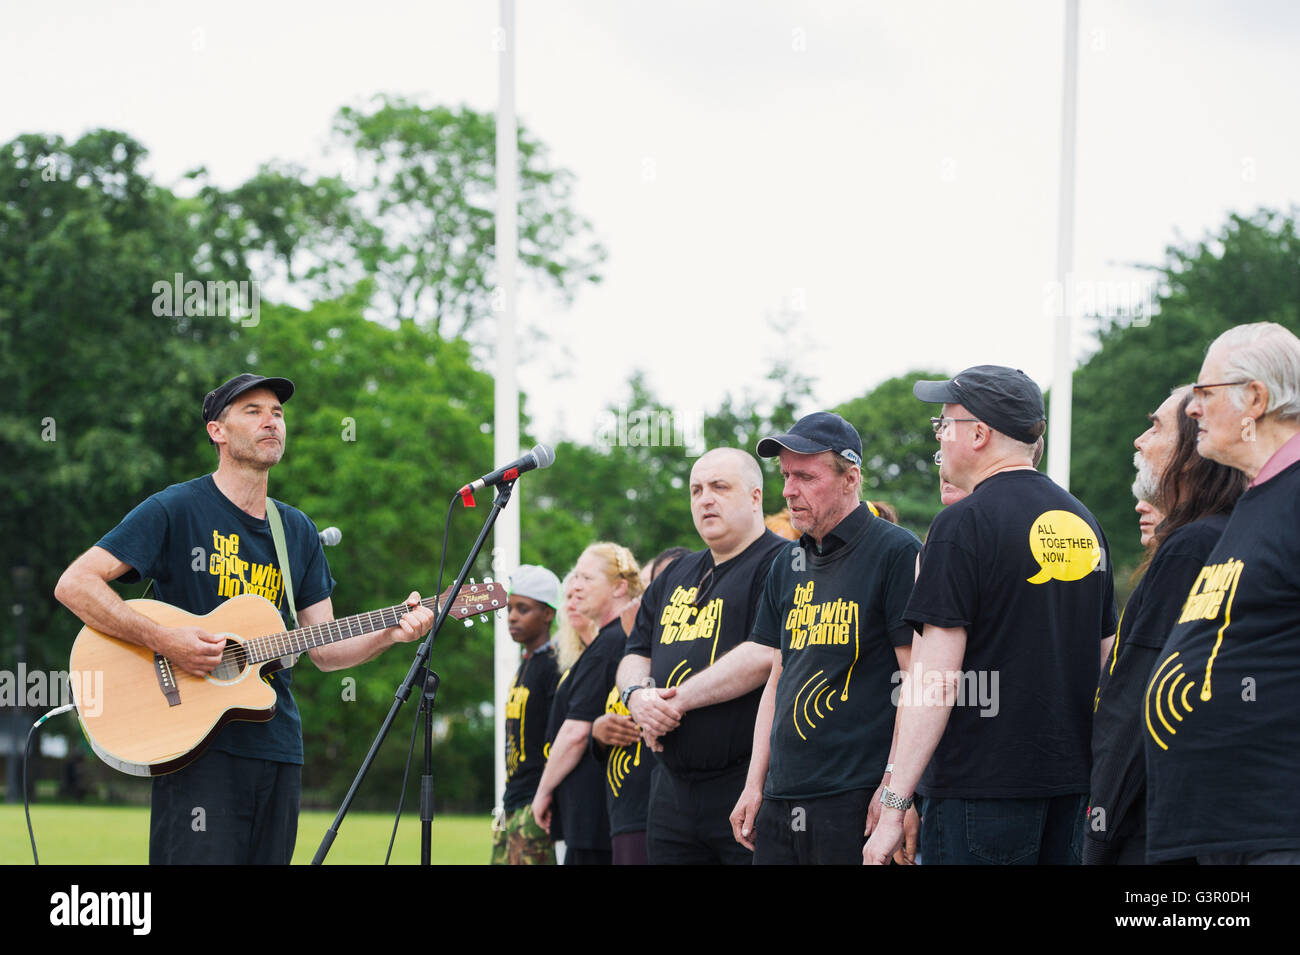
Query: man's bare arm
{"type": "Point", "coordinates": [745, 668]}
{"type": "Point", "coordinates": [654, 710]}
{"type": "Point", "coordinates": [1106, 646]}
{"type": "Point", "coordinates": [362, 649]}
{"type": "Point", "coordinates": [936, 659]}
{"type": "Point", "coordinates": [912, 824]}
{"type": "Point", "coordinates": [745, 815]}
{"type": "Point", "coordinates": [84, 590]}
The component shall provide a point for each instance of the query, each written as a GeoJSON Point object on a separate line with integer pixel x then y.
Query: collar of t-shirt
{"type": "Point", "coordinates": [843, 532]}
{"type": "Point", "coordinates": [1282, 459]}
{"type": "Point", "coordinates": [542, 649]}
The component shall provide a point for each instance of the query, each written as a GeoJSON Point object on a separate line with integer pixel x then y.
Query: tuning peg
{"type": "Point", "coordinates": [501, 614]}
{"type": "Point", "coordinates": [482, 618]}
{"type": "Point", "coordinates": [468, 622]}
{"type": "Point", "coordinates": [487, 580]}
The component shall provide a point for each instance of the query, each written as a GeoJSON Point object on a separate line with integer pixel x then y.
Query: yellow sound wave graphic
{"type": "Point", "coordinates": [1164, 700]}
{"type": "Point", "coordinates": [675, 678]}
{"type": "Point", "coordinates": [795, 708]}
{"type": "Point", "coordinates": [617, 769]}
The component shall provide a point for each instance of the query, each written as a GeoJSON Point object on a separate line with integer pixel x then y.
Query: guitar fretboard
{"type": "Point", "coordinates": [275, 645]}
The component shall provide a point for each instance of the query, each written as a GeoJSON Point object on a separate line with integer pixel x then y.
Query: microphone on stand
{"type": "Point", "coordinates": [540, 457]}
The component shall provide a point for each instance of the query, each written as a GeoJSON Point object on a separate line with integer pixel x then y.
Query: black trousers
{"type": "Point", "coordinates": [225, 810]}
{"type": "Point", "coordinates": [829, 830]}
{"type": "Point", "coordinates": [689, 820]}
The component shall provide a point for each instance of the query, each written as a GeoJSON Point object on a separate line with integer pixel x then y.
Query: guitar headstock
{"type": "Point", "coordinates": [475, 599]}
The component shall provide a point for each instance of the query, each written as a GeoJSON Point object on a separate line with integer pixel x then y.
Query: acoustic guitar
{"type": "Point", "coordinates": [146, 717]}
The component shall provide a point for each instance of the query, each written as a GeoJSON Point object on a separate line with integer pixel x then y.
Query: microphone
{"type": "Point", "coordinates": [330, 536]}
{"type": "Point", "coordinates": [540, 457]}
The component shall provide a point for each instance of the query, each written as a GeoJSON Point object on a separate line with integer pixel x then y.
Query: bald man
{"type": "Point", "coordinates": [700, 608]}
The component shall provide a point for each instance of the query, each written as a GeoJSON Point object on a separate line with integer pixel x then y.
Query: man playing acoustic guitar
{"type": "Point", "coordinates": [202, 542]}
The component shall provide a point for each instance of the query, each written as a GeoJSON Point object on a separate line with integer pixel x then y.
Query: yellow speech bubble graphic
{"type": "Point", "coordinates": [1064, 547]}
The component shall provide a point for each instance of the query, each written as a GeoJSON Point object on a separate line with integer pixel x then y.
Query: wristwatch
{"type": "Point", "coordinates": [628, 691]}
{"type": "Point", "coordinates": [891, 800]}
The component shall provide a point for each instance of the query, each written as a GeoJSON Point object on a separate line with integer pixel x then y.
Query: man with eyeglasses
{"type": "Point", "coordinates": [1014, 604]}
{"type": "Point", "coordinates": [690, 619]}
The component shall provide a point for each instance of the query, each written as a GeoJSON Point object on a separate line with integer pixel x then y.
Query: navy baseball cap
{"type": "Point", "coordinates": [814, 433]}
{"type": "Point", "coordinates": [1004, 398]}
{"type": "Point", "coordinates": [219, 397]}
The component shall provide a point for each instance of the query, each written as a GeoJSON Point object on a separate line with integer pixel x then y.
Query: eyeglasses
{"type": "Point", "coordinates": [1200, 390]}
{"type": "Point", "coordinates": [940, 423]}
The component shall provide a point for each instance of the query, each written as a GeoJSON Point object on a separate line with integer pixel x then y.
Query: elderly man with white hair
{"type": "Point", "coordinates": [1222, 707]}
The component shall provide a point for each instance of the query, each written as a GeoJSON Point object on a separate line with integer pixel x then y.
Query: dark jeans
{"type": "Point", "coordinates": [1265, 857]}
{"type": "Point", "coordinates": [573, 856]}
{"type": "Point", "coordinates": [628, 848]}
{"type": "Point", "coordinates": [689, 820]}
{"type": "Point", "coordinates": [1047, 831]}
{"type": "Point", "coordinates": [824, 831]}
{"type": "Point", "coordinates": [225, 810]}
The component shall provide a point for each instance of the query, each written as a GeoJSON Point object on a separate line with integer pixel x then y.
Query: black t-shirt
{"type": "Point", "coordinates": [579, 799]}
{"type": "Point", "coordinates": [528, 706]}
{"type": "Point", "coordinates": [1025, 569]}
{"type": "Point", "coordinates": [627, 769]}
{"type": "Point", "coordinates": [200, 549]}
{"type": "Point", "coordinates": [682, 639]}
{"type": "Point", "coordinates": [836, 616]}
{"type": "Point", "coordinates": [1220, 711]}
{"type": "Point", "coordinates": [1119, 774]}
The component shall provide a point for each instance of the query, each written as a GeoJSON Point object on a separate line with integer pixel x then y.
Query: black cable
{"type": "Point", "coordinates": [27, 752]}
{"type": "Point", "coordinates": [27, 755]}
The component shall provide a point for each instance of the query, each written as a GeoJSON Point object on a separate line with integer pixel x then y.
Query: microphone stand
{"type": "Point", "coordinates": [416, 673]}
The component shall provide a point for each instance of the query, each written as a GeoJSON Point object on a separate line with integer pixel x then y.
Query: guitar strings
{"type": "Point", "coordinates": [280, 644]}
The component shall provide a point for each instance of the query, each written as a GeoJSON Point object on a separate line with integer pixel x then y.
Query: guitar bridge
{"type": "Point", "coordinates": [167, 679]}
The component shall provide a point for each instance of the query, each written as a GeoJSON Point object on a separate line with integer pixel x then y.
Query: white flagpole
{"type": "Point", "coordinates": [1058, 432]}
{"type": "Point", "coordinates": [505, 549]}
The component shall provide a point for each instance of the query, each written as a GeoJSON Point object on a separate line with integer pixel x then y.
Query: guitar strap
{"type": "Point", "coordinates": [282, 555]}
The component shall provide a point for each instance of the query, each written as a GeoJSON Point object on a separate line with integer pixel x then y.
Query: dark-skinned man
{"type": "Point", "coordinates": [534, 597]}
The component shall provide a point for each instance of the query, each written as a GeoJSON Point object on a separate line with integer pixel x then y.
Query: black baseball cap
{"type": "Point", "coordinates": [219, 397]}
{"type": "Point", "coordinates": [811, 434]}
{"type": "Point", "coordinates": [1004, 398]}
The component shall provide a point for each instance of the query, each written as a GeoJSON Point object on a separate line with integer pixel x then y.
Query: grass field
{"type": "Point", "coordinates": [96, 835]}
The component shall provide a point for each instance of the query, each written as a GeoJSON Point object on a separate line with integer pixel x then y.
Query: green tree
{"type": "Point", "coordinates": [1247, 271]}
{"type": "Point", "coordinates": [102, 393]}
{"type": "Point", "coordinates": [427, 179]}
{"type": "Point", "coordinates": [898, 448]}
{"type": "Point", "coordinates": [384, 424]}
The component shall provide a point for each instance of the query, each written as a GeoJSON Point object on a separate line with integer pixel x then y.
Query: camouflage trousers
{"type": "Point", "coordinates": [517, 839]}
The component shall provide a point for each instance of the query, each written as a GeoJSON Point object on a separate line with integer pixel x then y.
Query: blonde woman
{"type": "Point", "coordinates": [605, 578]}
{"type": "Point", "coordinates": [575, 631]}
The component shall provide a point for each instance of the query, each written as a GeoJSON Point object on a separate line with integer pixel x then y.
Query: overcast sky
{"type": "Point", "coordinates": [886, 172]}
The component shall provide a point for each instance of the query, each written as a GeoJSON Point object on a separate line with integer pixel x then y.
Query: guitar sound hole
{"type": "Point", "coordinates": [233, 660]}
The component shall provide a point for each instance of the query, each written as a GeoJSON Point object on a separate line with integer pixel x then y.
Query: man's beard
{"type": "Point", "coordinates": [1147, 483]}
